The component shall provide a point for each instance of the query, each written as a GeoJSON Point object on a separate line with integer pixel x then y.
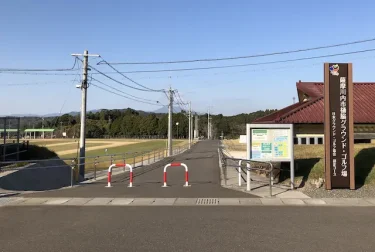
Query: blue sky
{"type": "Point", "coordinates": [43, 34]}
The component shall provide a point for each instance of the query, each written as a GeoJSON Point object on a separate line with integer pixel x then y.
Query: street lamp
{"type": "Point", "coordinates": [177, 128]}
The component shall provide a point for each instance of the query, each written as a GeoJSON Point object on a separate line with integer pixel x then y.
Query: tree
{"type": "Point", "coordinates": [93, 130]}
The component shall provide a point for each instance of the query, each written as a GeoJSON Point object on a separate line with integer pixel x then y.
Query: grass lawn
{"type": "Point", "coordinates": [40, 142]}
{"type": "Point", "coordinates": [309, 162]}
{"type": "Point", "coordinates": [135, 147]}
{"type": "Point", "coordinates": [132, 152]}
{"type": "Point", "coordinates": [72, 146]}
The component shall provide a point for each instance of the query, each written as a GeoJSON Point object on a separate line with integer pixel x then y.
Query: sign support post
{"type": "Point", "coordinates": [338, 126]}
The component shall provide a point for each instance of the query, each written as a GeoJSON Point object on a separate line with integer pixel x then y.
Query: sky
{"type": "Point", "coordinates": [44, 34]}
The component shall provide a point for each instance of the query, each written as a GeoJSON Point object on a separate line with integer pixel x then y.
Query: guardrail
{"type": "Point", "coordinates": [224, 163]}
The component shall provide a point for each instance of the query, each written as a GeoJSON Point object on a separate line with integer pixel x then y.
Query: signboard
{"type": "Point", "coordinates": [338, 125]}
{"type": "Point", "coordinates": [271, 143]}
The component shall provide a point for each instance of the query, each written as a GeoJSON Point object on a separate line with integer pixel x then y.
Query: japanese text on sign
{"type": "Point", "coordinates": [343, 118]}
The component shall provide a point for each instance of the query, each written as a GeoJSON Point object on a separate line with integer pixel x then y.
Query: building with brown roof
{"type": "Point", "coordinates": [307, 114]}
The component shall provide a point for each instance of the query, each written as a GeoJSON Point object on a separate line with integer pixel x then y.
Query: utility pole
{"type": "Point", "coordinates": [82, 140]}
{"type": "Point", "coordinates": [189, 125]}
{"type": "Point", "coordinates": [170, 109]}
{"type": "Point", "coordinates": [196, 131]}
{"type": "Point", "coordinates": [208, 123]}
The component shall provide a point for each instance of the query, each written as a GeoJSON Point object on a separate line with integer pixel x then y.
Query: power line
{"type": "Point", "coordinates": [154, 90]}
{"type": "Point", "coordinates": [118, 90]}
{"type": "Point", "coordinates": [119, 82]}
{"type": "Point", "coordinates": [39, 70]}
{"type": "Point", "coordinates": [70, 89]}
{"type": "Point", "coordinates": [33, 83]}
{"type": "Point", "coordinates": [109, 91]}
{"type": "Point", "coordinates": [203, 68]}
{"type": "Point", "coordinates": [240, 57]}
{"type": "Point", "coordinates": [180, 102]}
{"type": "Point", "coordinates": [250, 64]}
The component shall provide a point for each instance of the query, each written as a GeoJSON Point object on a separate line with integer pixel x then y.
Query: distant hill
{"type": "Point", "coordinates": [164, 110]}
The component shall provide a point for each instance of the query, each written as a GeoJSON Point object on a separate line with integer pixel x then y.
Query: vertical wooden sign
{"type": "Point", "coordinates": [339, 126]}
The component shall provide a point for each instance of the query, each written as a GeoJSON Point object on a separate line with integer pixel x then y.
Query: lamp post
{"type": "Point", "coordinates": [177, 128]}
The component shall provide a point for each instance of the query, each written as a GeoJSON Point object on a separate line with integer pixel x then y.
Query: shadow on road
{"type": "Point", "coordinates": [38, 177]}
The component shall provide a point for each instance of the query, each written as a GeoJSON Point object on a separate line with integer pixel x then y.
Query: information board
{"type": "Point", "coordinates": [271, 143]}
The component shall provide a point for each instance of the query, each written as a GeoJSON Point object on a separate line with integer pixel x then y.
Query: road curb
{"type": "Point", "coordinates": [324, 202]}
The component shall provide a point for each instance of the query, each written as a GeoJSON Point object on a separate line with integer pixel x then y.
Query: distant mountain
{"type": "Point", "coordinates": [20, 115]}
{"type": "Point", "coordinates": [164, 110]}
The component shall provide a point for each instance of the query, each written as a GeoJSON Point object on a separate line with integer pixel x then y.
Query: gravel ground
{"type": "Point", "coordinates": [363, 192]}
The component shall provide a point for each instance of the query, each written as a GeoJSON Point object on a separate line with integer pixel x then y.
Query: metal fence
{"type": "Point", "coordinates": [10, 134]}
{"type": "Point", "coordinates": [245, 166]}
{"type": "Point", "coordinates": [94, 164]}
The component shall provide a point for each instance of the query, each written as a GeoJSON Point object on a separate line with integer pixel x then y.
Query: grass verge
{"type": "Point", "coordinates": [309, 162]}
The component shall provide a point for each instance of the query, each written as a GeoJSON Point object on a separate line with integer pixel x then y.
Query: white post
{"type": "Point", "coordinates": [239, 173]}
{"type": "Point", "coordinates": [208, 123]}
{"type": "Point", "coordinates": [248, 179]}
{"type": "Point", "coordinates": [170, 109]}
{"type": "Point", "coordinates": [292, 163]}
{"type": "Point", "coordinates": [189, 125]}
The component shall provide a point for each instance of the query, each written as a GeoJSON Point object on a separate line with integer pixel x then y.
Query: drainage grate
{"type": "Point", "coordinates": [207, 201]}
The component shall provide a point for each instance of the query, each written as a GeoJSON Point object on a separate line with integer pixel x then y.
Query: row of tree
{"type": "Point", "coordinates": [138, 124]}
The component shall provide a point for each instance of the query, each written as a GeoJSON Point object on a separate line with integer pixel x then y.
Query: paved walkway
{"type": "Point", "coordinates": [204, 178]}
{"type": "Point", "coordinates": [259, 185]}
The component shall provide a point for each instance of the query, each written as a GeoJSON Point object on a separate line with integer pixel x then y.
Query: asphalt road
{"type": "Point", "coordinates": [204, 178]}
{"type": "Point", "coordinates": [198, 228]}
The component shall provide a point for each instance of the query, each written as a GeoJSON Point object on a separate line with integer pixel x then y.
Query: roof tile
{"type": "Point", "coordinates": [313, 111]}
